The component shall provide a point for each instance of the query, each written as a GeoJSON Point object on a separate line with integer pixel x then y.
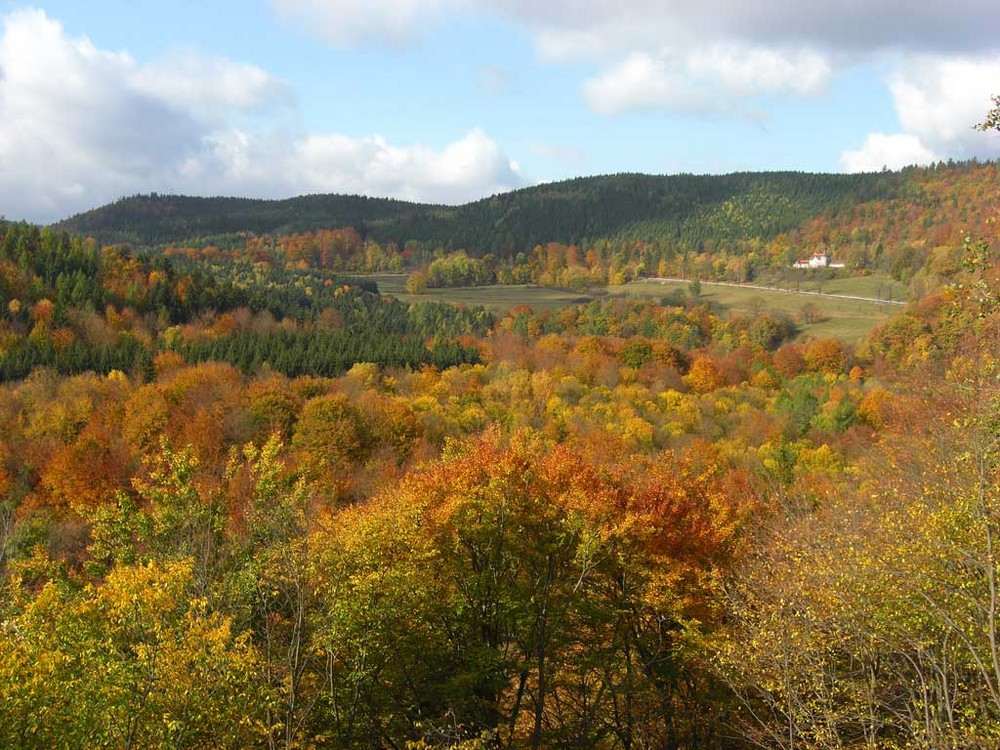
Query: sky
{"type": "Point", "coordinates": [447, 101]}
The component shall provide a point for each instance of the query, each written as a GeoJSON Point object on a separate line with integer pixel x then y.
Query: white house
{"type": "Point", "coordinates": [818, 260]}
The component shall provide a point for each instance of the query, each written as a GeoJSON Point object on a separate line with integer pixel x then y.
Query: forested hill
{"type": "Point", "coordinates": [689, 209]}
{"type": "Point", "coordinates": [685, 208]}
{"type": "Point", "coordinates": [155, 219]}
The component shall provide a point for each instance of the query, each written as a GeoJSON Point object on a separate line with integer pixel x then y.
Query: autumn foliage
{"type": "Point", "coordinates": [616, 524]}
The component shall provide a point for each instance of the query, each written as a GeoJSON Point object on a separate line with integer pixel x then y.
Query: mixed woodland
{"type": "Point", "coordinates": [246, 500]}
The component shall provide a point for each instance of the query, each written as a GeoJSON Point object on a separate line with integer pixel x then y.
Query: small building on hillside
{"type": "Point", "coordinates": [818, 260]}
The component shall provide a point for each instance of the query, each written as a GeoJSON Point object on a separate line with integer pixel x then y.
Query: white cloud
{"type": "Point", "coordinates": [471, 167]}
{"type": "Point", "coordinates": [642, 82]}
{"type": "Point", "coordinates": [276, 165]}
{"type": "Point", "coordinates": [71, 116]}
{"type": "Point", "coordinates": [715, 79]}
{"type": "Point", "coordinates": [748, 72]}
{"type": "Point", "coordinates": [80, 126]}
{"type": "Point", "coordinates": [937, 101]}
{"type": "Point", "coordinates": [882, 151]}
{"type": "Point", "coordinates": [192, 80]}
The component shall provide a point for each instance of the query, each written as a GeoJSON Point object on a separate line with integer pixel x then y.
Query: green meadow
{"type": "Point", "coordinates": [499, 299]}
{"type": "Point", "coordinates": [848, 319]}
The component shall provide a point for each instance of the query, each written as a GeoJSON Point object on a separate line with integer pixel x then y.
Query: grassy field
{"type": "Point", "coordinates": [499, 299]}
{"type": "Point", "coordinates": [880, 287]}
{"type": "Point", "coordinates": [847, 319]}
{"type": "Point", "coordinates": [850, 320]}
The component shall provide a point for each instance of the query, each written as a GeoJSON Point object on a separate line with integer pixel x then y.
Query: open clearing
{"type": "Point", "coordinates": [847, 319]}
{"type": "Point", "coordinates": [499, 299]}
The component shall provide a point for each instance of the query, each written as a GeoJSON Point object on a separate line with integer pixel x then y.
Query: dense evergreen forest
{"type": "Point", "coordinates": [155, 219]}
{"type": "Point", "coordinates": [248, 501]}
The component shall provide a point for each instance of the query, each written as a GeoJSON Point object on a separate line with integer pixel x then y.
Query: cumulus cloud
{"type": "Point", "coordinates": [80, 126]}
{"type": "Point", "coordinates": [937, 101]}
{"type": "Point", "coordinates": [71, 116]}
{"type": "Point", "coordinates": [470, 167]}
{"type": "Point", "coordinates": [642, 82]}
{"type": "Point", "coordinates": [881, 151]}
{"type": "Point", "coordinates": [747, 72]}
{"type": "Point", "coordinates": [235, 161]}
{"type": "Point", "coordinates": [707, 80]}
{"type": "Point", "coordinates": [202, 83]}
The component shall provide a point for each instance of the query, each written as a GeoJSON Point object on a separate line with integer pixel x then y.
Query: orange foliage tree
{"type": "Point", "coordinates": [560, 584]}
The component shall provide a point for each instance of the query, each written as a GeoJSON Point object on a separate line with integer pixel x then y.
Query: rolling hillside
{"type": "Point", "coordinates": [896, 222]}
{"type": "Point", "coordinates": [679, 207]}
{"type": "Point", "coordinates": [156, 219]}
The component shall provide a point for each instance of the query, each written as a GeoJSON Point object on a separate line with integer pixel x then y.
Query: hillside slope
{"type": "Point", "coordinates": [679, 207]}
{"type": "Point", "coordinates": [916, 207]}
{"type": "Point", "coordinates": [156, 219]}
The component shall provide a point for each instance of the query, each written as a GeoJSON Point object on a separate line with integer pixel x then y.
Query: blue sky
{"type": "Point", "coordinates": [452, 100]}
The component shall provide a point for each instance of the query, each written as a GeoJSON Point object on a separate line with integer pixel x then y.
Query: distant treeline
{"type": "Point", "coordinates": [684, 208]}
